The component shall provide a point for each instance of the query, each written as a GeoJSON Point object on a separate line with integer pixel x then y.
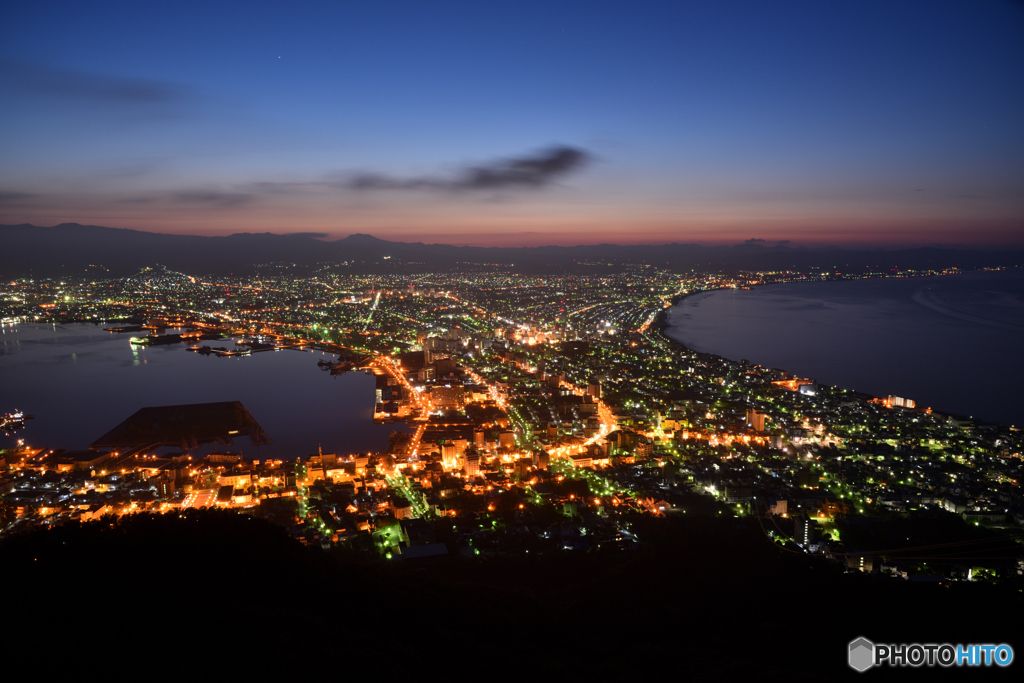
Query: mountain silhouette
{"type": "Point", "coordinates": [70, 248]}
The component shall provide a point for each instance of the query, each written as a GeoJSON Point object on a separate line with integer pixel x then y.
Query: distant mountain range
{"type": "Point", "coordinates": [70, 248]}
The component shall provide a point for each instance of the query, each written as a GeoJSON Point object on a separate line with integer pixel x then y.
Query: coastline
{"type": "Point", "coordinates": [660, 322]}
{"type": "Point", "coordinates": [660, 325]}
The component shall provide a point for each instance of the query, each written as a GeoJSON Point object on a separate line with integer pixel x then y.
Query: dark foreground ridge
{"type": "Point", "coordinates": [704, 599]}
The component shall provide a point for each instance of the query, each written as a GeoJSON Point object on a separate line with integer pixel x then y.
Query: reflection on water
{"type": "Point", "coordinates": [981, 306]}
{"type": "Point", "coordinates": [949, 342]}
{"type": "Point", "coordinates": [80, 381]}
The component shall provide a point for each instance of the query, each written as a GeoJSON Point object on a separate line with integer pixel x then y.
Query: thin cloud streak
{"type": "Point", "coordinates": [70, 84]}
{"type": "Point", "coordinates": [213, 199]}
{"type": "Point", "coordinates": [7, 196]}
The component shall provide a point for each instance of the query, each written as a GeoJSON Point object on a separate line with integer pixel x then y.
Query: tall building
{"type": "Point", "coordinates": [555, 379]}
{"type": "Point", "coordinates": [755, 420]}
{"type": "Point", "coordinates": [805, 531]}
{"type": "Point", "coordinates": [541, 459]}
{"type": "Point", "coordinates": [449, 456]}
{"type": "Point", "coordinates": [444, 366]}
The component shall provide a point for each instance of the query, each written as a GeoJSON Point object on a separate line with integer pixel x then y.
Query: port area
{"type": "Point", "coordinates": [184, 426]}
{"type": "Point", "coordinates": [11, 422]}
{"type": "Point", "coordinates": [245, 348]}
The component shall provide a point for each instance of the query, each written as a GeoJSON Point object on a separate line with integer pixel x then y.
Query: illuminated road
{"type": "Point", "coordinates": [419, 504]}
{"type": "Point", "coordinates": [421, 402]}
{"type": "Point", "coordinates": [492, 390]}
{"type": "Point", "coordinates": [414, 443]}
{"type": "Point", "coordinates": [604, 415]}
{"type": "Point", "coordinates": [369, 316]}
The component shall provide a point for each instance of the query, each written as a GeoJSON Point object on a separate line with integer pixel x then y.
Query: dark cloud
{"type": "Point", "coordinates": [535, 171]}
{"type": "Point", "coordinates": [69, 84]}
{"type": "Point", "coordinates": [11, 197]}
{"type": "Point", "coordinates": [538, 170]}
{"type": "Point", "coordinates": [137, 200]}
{"type": "Point", "coordinates": [213, 199]}
{"type": "Point", "coordinates": [754, 239]}
{"type": "Point", "coordinates": [268, 187]}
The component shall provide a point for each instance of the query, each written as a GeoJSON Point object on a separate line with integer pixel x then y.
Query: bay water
{"type": "Point", "coordinates": [954, 343]}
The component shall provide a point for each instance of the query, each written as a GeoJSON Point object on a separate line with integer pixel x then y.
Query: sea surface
{"type": "Point", "coordinates": [955, 343]}
{"type": "Point", "coordinates": [80, 382]}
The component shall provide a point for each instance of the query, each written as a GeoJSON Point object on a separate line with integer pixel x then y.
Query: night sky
{"type": "Point", "coordinates": [520, 123]}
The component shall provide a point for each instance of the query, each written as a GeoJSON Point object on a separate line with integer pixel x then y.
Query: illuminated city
{"type": "Point", "coordinates": [555, 404]}
{"type": "Point", "coordinates": [541, 340]}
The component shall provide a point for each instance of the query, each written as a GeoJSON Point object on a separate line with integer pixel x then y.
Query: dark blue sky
{"type": "Point", "coordinates": [818, 122]}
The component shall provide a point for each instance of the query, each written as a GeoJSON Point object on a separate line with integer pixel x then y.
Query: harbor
{"type": "Point", "coordinates": [304, 398]}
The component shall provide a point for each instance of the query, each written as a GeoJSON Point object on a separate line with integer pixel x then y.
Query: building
{"type": "Point", "coordinates": [864, 563]}
{"type": "Point", "coordinates": [449, 456]}
{"type": "Point", "coordinates": [541, 459]}
{"type": "Point", "coordinates": [448, 396]}
{"type": "Point", "coordinates": [809, 389]}
{"type": "Point", "coordinates": [582, 460]}
{"type": "Point", "coordinates": [165, 487]}
{"type": "Point", "coordinates": [444, 366]}
{"type": "Point", "coordinates": [804, 534]}
{"type": "Point", "coordinates": [738, 493]}
{"type": "Point", "coordinates": [899, 402]}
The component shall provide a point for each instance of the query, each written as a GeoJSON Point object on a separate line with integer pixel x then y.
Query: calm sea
{"type": "Point", "coordinates": [80, 382]}
{"type": "Point", "coordinates": [951, 342]}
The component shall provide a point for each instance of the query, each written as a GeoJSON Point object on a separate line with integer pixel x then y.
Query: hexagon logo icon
{"type": "Point", "coordinates": [862, 654]}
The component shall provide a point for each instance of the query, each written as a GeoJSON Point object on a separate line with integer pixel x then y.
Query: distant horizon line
{"type": "Point", "coordinates": [328, 238]}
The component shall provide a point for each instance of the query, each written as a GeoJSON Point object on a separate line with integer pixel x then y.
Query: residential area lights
{"type": "Point", "coordinates": [554, 404]}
